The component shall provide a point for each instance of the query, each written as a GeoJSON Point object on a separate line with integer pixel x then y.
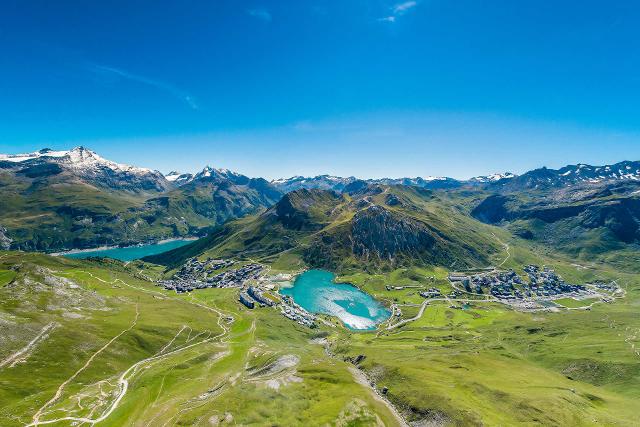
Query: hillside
{"type": "Point", "coordinates": [374, 227]}
{"type": "Point", "coordinates": [587, 221]}
{"type": "Point", "coordinates": [139, 351]}
{"type": "Point", "coordinates": [142, 349]}
{"type": "Point", "coordinates": [76, 199]}
{"type": "Point", "coordinates": [149, 355]}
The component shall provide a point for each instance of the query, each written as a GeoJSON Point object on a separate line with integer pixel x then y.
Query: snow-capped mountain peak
{"type": "Point", "coordinates": [178, 178]}
{"type": "Point", "coordinates": [209, 172]}
{"type": "Point", "coordinates": [87, 166]}
{"type": "Point", "coordinates": [78, 157]}
{"type": "Point", "coordinates": [81, 157]}
{"type": "Point", "coordinates": [19, 158]}
{"type": "Point", "coordinates": [172, 176]}
{"type": "Point", "coordinates": [493, 177]}
{"type": "Point", "coordinates": [206, 172]}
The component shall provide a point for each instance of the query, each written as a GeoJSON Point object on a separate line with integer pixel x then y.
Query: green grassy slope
{"type": "Point", "coordinates": [600, 222]}
{"type": "Point", "coordinates": [380, 228]}
{"type": "Point", "coordinates": [184, 360]}
{"type": "Point", "coordinates": [60, 212]}
{"type": "Point", "coordinates": [485, 365]}
{"type": "Point", "coordinates": [489, 365]}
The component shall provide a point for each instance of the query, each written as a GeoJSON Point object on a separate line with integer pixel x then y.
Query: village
{"type": "Point", "coordinates": [543, 286]}
{"type": "Point", "coordinates": [196, 274]}
{"type": "Point", "coordinates": [257, 289]}
{"type": "Point", "coordinates": [536, 291]}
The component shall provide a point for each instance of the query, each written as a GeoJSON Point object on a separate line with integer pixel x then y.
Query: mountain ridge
{"type": "Point", "coordinates": [375, 228]}
{"type": "Point", "coordinates": [626, 170]}
{"type": "Point", "coordinates": [59, 200]}
{"type": "Point", "coordinates": [579, 174]}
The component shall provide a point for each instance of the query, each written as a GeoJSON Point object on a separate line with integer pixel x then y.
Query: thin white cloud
{"type": "Point", "coordinates": [261, 14]}
{"type": "Point", "coordinates": [123, 74]}
{"type": "Point", "coordinates": [398, 10]}
{"type": "Point", "coordinates": [401, 8]}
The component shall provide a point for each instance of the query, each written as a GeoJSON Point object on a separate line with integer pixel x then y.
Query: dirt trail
{"type": "Point", "coordinates": [123, 384]}
{"type": "Point", "coordinates": [36, 417]}
{"type": "Point", "coordinates": [123, 380]}
{"type": "Point", "coordinates": [16, 357]}
{"type": "Point", "coordinates": [361, 379]}
{"type": "Point", "coordinates": [506, 248]}
{"type": "Point", "coordinates": [416, 317]}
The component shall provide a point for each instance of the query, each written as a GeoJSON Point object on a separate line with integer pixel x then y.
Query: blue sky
{"type": "Point", "coordinates": [351, 87]}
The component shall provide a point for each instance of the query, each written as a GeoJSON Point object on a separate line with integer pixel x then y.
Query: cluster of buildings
{"type": "Point", "coordinates": [610, 287]}
{"type": "Point", "coordinates": [238, 277]}
{"type": "Point", "coordinates": [253, 296]}
{"type": "Point", "coordinates": [500, 285]}
{"type": "Point", "coordinates": [218, 273]}
{"type": "Point", "coordinates": [547, 283]}
{"type": "Point", "coordinates": [294, 312]}
{"type": "Point", "coordinates": [508, 285]}
{"type": "Point", "coordinates": [255, 287]}
{"type": "Point", "coordinates": [194, 269]}
{"type": "Point", "coordinates": [431, 293]}
{"type": "Point", "coordinates": [196, 274]}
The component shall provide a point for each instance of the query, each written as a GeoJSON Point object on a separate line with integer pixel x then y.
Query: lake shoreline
{"type": "Point", "coordinates": [106, 248]}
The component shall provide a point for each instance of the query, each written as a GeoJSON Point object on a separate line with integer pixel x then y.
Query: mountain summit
{"type": "Point", "coordinates": [86, 166]}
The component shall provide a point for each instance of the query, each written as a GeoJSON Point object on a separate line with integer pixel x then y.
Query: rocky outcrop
{"type": "Point", "coordinates": [377, 232]}
{"type": "Point", "coordinates": [5, 241]}
{"type": "Point", "coordinates": [305, 209]}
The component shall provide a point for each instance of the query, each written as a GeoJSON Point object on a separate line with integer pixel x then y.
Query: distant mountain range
{"type": "Point", "coordinates": [374, 226]}
{"type": "Point", "coordinates": [539, 178]}
{"type": "Point", "coordinates": [89, 166]}
{"type": "Point", "coordinates": [55, 200]}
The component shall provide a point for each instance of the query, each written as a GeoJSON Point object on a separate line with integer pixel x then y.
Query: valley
{"type": "Point", "coordinates": [327, 213]}
{"type": "Point", "coordinates": [502, 300]}
{"type": "Point", "coordinates": [202, 358]}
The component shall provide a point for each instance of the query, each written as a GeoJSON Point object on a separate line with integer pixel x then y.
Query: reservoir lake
{"type": "Point", "coordinates": [130, 253]}
{"type": "Point", "coordinates": [316, 292]}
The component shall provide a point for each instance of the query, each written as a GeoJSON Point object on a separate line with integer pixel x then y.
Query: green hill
{"type": "Point", "coordinates": [378, 227]}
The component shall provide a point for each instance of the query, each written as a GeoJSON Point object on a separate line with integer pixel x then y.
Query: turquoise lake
{"type": "Point", "coordinates": [316, 292]}
{"type": "Point", "coordinates": [132, 252]}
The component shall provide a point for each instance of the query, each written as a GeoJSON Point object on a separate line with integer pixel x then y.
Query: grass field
{"type": "Point", "coordinates": [490, 365]}
{"type": "Point", "coordinates": [87, 341]}
{"type": "Point", "coordinates": [186, 360]}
